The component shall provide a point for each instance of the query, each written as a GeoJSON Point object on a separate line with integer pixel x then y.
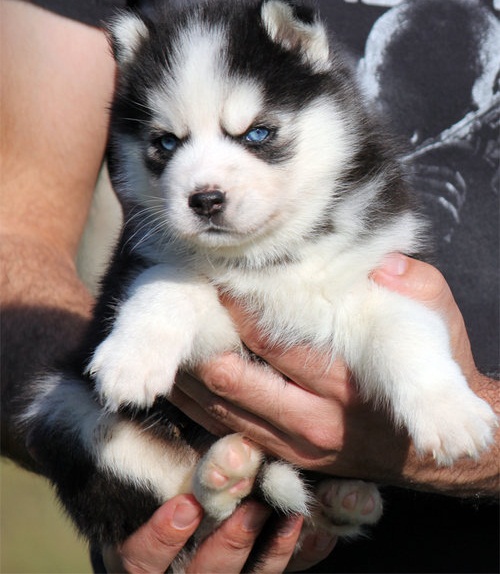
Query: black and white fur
{"type": "Point", "coordinates": [246, 163]}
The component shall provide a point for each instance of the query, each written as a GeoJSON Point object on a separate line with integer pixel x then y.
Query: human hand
{"type": "Point", "coordinates": [423, 282]}
{"type": "Point", "coordinates": [156, 544]}
{"type": "Point", "coordinates": [313, 416]}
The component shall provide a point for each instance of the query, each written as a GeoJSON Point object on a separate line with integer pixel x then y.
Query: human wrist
{"type": "Point", "coordinates": [467, 477]}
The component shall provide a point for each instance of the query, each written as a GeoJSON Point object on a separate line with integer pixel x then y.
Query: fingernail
{"type": "Point", "coordinates": [288, 527]}
{"type": "Point", "coordinates": [185, 515]}
{"type": "Point", "coordinates": [254, 518]}
{"type": "Point", "coordinates": [394, 264]}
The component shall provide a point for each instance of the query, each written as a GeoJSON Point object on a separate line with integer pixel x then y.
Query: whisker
{"type": "Point", "coordinates": [147, 222]}
{"type": "Point", "coordinates": [151, 232]}
{"type": "Point", "coordinates": [150, 422]}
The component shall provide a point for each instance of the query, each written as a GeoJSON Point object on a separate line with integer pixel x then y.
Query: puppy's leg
{"type": "Point", "coordinates": [401, 355]}
{"type": "Point", "coordinates": [171, 318]}
{"type": "Point", "coordinates": [109, 472]}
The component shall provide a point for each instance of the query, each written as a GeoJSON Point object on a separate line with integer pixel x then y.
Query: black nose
{"type": "Point", "coordinates": [207, 202]}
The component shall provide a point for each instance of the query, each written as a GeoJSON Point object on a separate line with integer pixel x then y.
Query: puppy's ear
{"type": "Point", "coordinates": [297, 29]}
{"type": "Point", "coordinates": [126, 31]}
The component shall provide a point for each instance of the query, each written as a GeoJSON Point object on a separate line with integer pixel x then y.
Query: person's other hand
{"type": "Point", "coordinates": [156, 544]}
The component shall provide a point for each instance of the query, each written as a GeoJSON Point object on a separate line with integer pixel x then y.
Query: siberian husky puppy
{"type": "Point", "coordinates": [245, 163]}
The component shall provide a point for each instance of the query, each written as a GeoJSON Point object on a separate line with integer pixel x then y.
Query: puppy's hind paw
{"type": "Point", "coordinates": [226, 474]}
{"type": "Point", "coordinates": [345, 506]}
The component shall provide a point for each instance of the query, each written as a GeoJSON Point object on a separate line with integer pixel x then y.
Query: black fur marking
{"type": "Point", "coordinates": [105, 509]}
{"type": "Point", "coordinates": [156, 158]}
{"type": "Point", "coordinates": [166, 422]}
{"type": "Point", "coordinates": [125, 266]}
{"type": "Point", "coordinates": [289, 83]}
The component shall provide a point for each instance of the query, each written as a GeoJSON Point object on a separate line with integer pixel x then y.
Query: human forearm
{"type": "Point", "coordinates": [57, 80]}
{"type": "Point", "coordinates": [44, 310]}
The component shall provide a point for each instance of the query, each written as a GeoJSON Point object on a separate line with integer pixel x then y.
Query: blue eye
{"type": "Point", "coordinates": [257, 135]}
{"type": "Point", "coordinates": [169, 142]}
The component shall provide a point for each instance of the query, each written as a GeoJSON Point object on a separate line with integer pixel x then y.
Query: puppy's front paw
{"type": "Point", "coordinates": [345, 506]}
{"type": "Point", "coordinates": [226, 474]}
{"type": "Point", "coordinates": [452, 423]}
{"type": "Point", "coordinates": [132, 371]}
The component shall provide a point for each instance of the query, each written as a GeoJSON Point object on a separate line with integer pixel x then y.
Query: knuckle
{"type": "Point", "coordinates": [157, 535]}
{"type": "Point", "coordinates": [322, 439]}
{"type": "Point", "coordinates": [163, 540]}
{"type": "Point", "coordinates": [435, 282]}
{"type": "Point", "coordinates": [238, 542]}
{"type": "Point", "coordinates": [222, 376]}
{"type": "Point", "coordinates": [285, 542]}
{"type": "Point", "coordinates": [262, 347]}
{"type": "Point", "coordinates": [217, 411]}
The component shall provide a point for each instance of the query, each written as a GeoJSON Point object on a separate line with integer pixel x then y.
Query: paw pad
{"type": "Point", "coordinates": [226, 474]}
{"type": "Point", "coordinates": [347, 505]}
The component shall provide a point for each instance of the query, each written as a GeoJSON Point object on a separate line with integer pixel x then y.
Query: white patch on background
{"type": "Point", "coordinates": [484, 88]}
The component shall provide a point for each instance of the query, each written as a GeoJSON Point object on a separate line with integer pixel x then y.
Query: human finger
{"type": "Point", "coordinates": [282, 546]}
{"type": "Point", "coordinates": [154, 546]}
{"type": "Point", "coordinates": [214, 412]}
{"type": "Point", "coordinates": [423, 282]}
{"type": "Point", "coordinates": [275, 414]}
{"type": "Point", "coordinates": [227, 549]}
{"type": "Point", "coordinates": [235, 391]}
{"type": "Point", "coordinates": [195, 407]}
{"type": "Point", "coordinates": [315, 548]}
{"type": "Point", "coordinates": [231, 381]}
{"type": "Point", "coordinates": [415, 279]}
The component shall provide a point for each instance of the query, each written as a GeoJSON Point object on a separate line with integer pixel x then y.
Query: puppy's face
{"type": "Point", "coordinates": [218, 157]}
{"type": "Point", "coordinates": [224, 157]}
